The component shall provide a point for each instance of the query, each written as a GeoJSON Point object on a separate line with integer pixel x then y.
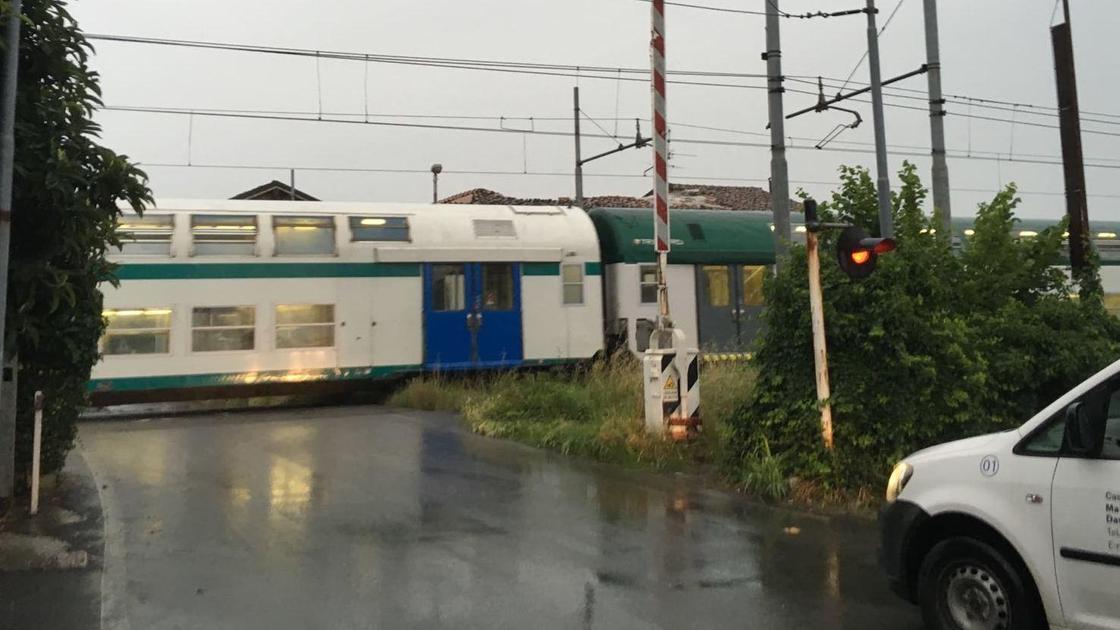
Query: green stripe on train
{"type": "Point", "coordinates": [185, 381]}
{"type": "Point", "coordinates": [540, 269]}
{"type": "Point", "coordinates": [215, 271]}
{"type": "Point", "coordinates": [182, 381]}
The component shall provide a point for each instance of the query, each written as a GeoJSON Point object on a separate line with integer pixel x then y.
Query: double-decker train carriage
{"type": "Point", "coordinates": [223, 293]}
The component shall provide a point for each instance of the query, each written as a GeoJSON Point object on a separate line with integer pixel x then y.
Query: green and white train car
{"type": "Point", "coordinates": [717, 262]}
{"type": "Point", "coordinates": [225, 293]}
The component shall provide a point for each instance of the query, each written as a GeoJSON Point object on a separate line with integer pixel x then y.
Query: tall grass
{"type": "Point", "coordinates": [594, 411]}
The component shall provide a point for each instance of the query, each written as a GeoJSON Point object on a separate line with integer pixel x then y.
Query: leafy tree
{"type": "Point", "coordinates": [66, 190]}
{"type": "Point", "coordinates": [934, 346]}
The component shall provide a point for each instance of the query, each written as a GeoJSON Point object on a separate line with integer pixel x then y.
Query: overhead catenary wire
{"type": "Point", "coordinates": [612, 73]}
{"type": "Point", "coordinates": [468, 128]}
{"type": "Point", "coordinates": [565, 174]}
{"type": "Point", "coordinates": [502, 118]}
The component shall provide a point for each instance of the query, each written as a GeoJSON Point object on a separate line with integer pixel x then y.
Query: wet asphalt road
{"type": "Point", "coordinates": [365, 517]}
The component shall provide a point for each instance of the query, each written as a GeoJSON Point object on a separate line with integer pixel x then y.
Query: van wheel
{"type": "Point", "coordinates": [966, 584]}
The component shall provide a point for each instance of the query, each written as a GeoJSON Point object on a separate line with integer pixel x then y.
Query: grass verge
{"type": "Point", "coordinates": [594, 411]}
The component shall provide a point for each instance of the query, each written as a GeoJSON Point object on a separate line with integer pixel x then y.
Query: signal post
{"type": "Point", "coordinates": [857, 254]}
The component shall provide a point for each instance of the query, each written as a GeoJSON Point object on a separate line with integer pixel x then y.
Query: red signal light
{"type": "Point", "coordinates": [860, 256]}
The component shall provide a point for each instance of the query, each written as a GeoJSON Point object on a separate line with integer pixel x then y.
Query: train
{"type": "Point", "coordinates": [217, 298]}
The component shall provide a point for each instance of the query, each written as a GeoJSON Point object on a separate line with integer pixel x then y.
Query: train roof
{"type": "Point", "coordinates": [697, 236]}
{"type": "Point", "coordinates": [436, 232]}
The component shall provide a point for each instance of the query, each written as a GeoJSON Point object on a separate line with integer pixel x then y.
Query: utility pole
{"type": "Point", "coordinates": [7, 161]}
{"type": "Point", "coordinates": [292, 183]}
{"type": "Point", "coordinates": [882, 182]}
{"type": "Point", "coordinates": [1073, 165]}
{"type": "Point", "coordinates": [779, 171]}
{"type": "Point", "coordinates": [579, 162]}
{"type": "Point", "coordinates": [941, 201]}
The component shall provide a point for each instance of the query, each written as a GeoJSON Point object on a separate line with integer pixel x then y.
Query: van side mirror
{"type": "Point", "coordinates": [1080, 433]}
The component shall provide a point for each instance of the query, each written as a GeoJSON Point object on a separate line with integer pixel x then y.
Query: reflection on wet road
{"type": "Point", "coordinates": [363, 517]}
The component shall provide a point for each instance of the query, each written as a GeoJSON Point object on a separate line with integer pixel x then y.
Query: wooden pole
{"type": "Point", "coordinates": [820, 351]}
{"type": "Point", "coordinates": [36, 449]}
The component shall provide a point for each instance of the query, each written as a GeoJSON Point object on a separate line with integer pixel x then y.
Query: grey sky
{"type": "Point", "coordinates": [990, 48]}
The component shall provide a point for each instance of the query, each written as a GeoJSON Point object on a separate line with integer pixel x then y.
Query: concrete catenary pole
{"type": "Point", "coordinates": [579, 158]}
{"type": "Point", "coordinates": [882, 181]}
{"type": "Point", "coordinates": [940, 175]}
{"type": "Point", "coordinates": [660, 162]}
{"type": "Point", "coordinates": [1073, 164]}
{"type": "Point", "coordinates": [7, 161]}
{"type": "Point", "coordinates": [779, 170]}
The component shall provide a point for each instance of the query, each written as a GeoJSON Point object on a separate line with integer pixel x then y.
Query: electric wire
{"type": "Point", "coordinates": [449, 172]}
{"type": "Point", "coordinates": [698, 141]}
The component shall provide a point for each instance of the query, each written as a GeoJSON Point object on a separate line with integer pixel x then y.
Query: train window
{"type": "Point", "coordinates": [648, 283]}
{"type": "Point", "coordinates": [224, 235]}
{"type": "Point", "coordinates": [494, 228]}
{"type": "Point", "coordinates": [304, 325]}
{"type": "Point", "coordinates": [752, 278]}
{"type": "Point", "coordinates": [497, 286]}
{"type": "Point", "coordinates": [149, 235]}
{"type": "Point", "coordinates": [379, 229]}
{"type": "Point", "coordinates": [216, 328]}
{"type": "Point", "coordinates": [717, 285]}
{"type": "Point", "coordinates": [303, 236]}
{"type": "Point", "coordinates": [137, 331]}
{"type": "Point", "coordinates": [572, 276]}
{"type": "Point", "coordinates": [448, 288]}
{"type": "Point", "coordinates": [1112, 303]}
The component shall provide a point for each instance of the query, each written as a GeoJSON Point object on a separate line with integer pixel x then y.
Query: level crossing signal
{"type": "Point", "coordinates": [858, 253]}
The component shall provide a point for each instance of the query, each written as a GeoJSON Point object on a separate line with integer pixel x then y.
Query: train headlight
{"type": "Point", "coordinates": [899, 478]}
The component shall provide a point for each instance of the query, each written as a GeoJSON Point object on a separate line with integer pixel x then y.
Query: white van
{"type": "Point", "coordinates": [1014, 530]}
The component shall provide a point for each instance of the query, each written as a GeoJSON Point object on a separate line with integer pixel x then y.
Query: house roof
{"type": "Point", "coordinates": [721, 197]}
{"type": "Point", "coordinates": [483, 196]}
{"type": "Point", "coordinates": [275, 191]}
{"type": "Point", "coordinates": [680, 196]}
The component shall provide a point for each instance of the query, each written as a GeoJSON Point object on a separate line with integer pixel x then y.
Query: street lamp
{"type": "Point", "coordinates": [437, 168]}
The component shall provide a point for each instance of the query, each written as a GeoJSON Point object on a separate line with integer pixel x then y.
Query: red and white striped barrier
{"type": "Point", "coordinates": [660, 140]}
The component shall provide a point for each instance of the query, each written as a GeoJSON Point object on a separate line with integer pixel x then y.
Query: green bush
{"type": "Point", "coordinates": [932, 347]}
{"type": "Point", "coordinates": [65, 192]}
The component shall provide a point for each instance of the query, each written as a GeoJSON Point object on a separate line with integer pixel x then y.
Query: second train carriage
{"type": "Point", "coordinates": [219, 293]}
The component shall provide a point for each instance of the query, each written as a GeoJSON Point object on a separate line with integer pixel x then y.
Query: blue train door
{"type": "Point", "coordinates": [499, 313]}
{"type": "Point", "coordinates": [472, 315]}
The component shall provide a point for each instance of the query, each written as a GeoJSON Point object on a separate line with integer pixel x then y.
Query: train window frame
{"type": "Point", "coordinates": [251, 326]}
{"type": "Point", "coordinates": [747, 274]}
{"type": "Point", "coordinates": [391, 229]}
{"type": "Point", "coordinates": [222, 224]}
{"type": "Point", "coordinates": [643, 284]}
{"type": "Point", "coordinates": [298, 223]}
{"type": "Point", "coordinates": [103, 342]}
{"type": "Point", "coordinates": [289, 326]}
{"type": "Point", "coordinates": [147, 229]}
{"type": "Point", "coordinates": [566, 284]}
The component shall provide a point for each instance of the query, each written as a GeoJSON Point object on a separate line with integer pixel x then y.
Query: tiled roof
{"type": "Point", "coordinates": [680, 196]}
{"type": "Point", "coordinates": [274, 191]}
{"type": "Point", "coordinates": [483, 196]}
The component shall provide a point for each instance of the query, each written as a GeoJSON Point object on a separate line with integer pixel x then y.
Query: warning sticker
{"type": "Point", "coordinates": [670, 393]}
